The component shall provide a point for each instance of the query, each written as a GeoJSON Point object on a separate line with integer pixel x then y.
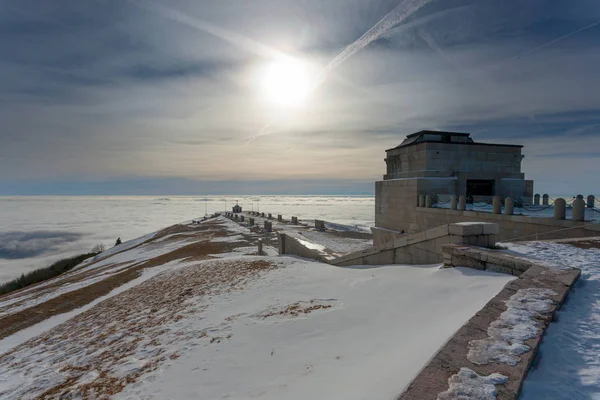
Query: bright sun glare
{"type": "Point", "coordinates": [287, 83]}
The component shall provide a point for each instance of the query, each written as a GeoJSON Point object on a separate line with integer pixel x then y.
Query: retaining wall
{"type": "Point", "coordinates": [420, 248]}
{"type": "Point", "coordinates": [290, 245]}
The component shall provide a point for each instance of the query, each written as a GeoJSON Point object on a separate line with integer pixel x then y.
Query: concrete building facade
{"type": "Point", "coordinates": [443, 164]}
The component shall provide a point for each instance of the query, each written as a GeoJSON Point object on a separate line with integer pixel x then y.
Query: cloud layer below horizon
{"type": "Point", "coordinates": [111, 94]}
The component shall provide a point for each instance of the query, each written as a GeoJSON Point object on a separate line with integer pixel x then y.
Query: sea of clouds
{"type": "Point", "coordinates": [36, 231]}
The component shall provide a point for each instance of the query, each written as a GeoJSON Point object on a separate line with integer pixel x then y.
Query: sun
{"type": "Point", "coordinates": [286, 83]}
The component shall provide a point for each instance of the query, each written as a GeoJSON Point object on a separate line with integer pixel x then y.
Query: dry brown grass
{"type": "Point", "coordinates": [144, 324]}
{"type": "Point", "coordinates": [77, 298]}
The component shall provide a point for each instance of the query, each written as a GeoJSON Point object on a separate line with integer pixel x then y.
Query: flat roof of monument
{"type": "Point", "coordinates": [428, 136]}
{"type": "Point", "coordinates": [445, 133]}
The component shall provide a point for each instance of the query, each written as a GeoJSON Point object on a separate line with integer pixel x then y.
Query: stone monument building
{"type": "Point", "coordinates": [236, 209]}
{"type": "Point", "coordinates": [442, 164]}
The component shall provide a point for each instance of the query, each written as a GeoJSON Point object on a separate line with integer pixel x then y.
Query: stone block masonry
{"type": "Point", "coordinates": [420, 248]}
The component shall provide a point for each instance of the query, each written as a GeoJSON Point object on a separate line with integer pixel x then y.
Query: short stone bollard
{"type": "Point", "coordinates": [509, 206]}
{"type": "Point", "coordinates": [270, 216]}
{"type": "Point", "coordinates": [497, 205]}
{"type": "Point", "coordinates": [462, 203]}
{"type": "Point", "coordinates": [421, 201]}
{"type": "Point", "coordinates": [262, 215]}
{"type": "Point", "coordinates": [545, 201]}
{"type": "Point", "coordinates": [236, 217]}
{"type": "Point", "coordinates": [453, 202]}
{"type": "Point", "coordinates": [579, 196]}
{"type": "Point", "coordinates": [280, 218]}
{"type": "Point", "coordinates": [242, 218]}
{"type": "Point", "coordinates": [591, 201]}
{"type": "Point", "coordinates": [560, 209]}
{"type": "Point", "coordinates": [320, 225]}
{"type": "Point", "coordinates": [428, 201]}
{"type": "Point", "coordinates": [536, 200]}
{"type": "Point", "coordinates": [294, 220]}
{"type": "Point", "coordinates": [251, 221]}
{"type": "Point", "coordinates": [260, 247]}
{"type": "Point", "coordinates": [268, 226]}
{"type": "Point", "coordinates": [578, 210]}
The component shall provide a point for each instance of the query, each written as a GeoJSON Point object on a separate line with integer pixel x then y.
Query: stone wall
{"type": "Point", "coordinates": [396, 209]}
{"type": "Point", "coordinates": [475, 158]}
{"type": "Point", "coordinates": [421, 248]}
{"type": "Point", "coordinates": [292, 246]}
{"type": "Point", "coordinates": [517, 227]}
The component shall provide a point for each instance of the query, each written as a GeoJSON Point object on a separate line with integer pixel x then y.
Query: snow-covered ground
{"type": "Point", "coordinates": [568, 365]}
{"type": "Point", "coordinates": [310, 330]}
{"type": "Point", "coordinates": [241, 326]}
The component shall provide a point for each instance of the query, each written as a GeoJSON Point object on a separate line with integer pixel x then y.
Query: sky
{"type": "Point", "coordinates": [149, 97]}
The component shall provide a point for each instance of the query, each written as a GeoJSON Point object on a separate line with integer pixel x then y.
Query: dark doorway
{"type": "Point", "coordinates": [480, 190]}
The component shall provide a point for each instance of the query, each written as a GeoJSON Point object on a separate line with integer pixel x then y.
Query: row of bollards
{"type": "Point", "coordinates": [590, 201]}
{"type": "Point", "coordinates": [560, 206]}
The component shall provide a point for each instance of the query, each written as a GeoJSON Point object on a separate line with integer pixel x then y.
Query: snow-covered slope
{"type": "Point", "coordinates": [236, 325]}
{"type": "Point", "coordinates": [569, 356]}
{"type": "Point", "coordinates": [310, 330]}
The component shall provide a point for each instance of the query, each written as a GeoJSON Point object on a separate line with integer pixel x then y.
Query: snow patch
{"type": "Point", "coordinates": [508, 334]}
{"type": "Point", "coordinates": [468, 385]}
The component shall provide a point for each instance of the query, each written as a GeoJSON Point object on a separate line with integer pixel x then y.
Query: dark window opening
{"type": "Point", "coordinates": [480, 190]}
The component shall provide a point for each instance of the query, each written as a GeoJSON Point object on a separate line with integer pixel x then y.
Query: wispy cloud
{"type": "Point", "coordinates": [134, 90]}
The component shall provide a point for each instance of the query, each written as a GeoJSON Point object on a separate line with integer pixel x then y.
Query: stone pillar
{"type": "Point", "coordinates": [280, 218]}
{"type": "Point", "coordinates": [268, 226]}
{"type": "Point", "coordinates": [509, 206]}
{"type": "Point", "coordinates": [545, 198]}
{"type": "Point", "coordinates": [270, 216]}
{"type": "Point", "coordinates": [481, 234]}
{"type": "Point", "coordinates": [421, 200]}
{"type": "Point", "coordinates": [251, 221]}
{"type": "Point", "coordinates": [262, 215]}
{"type": "Point", "coordinates": [428, 201]}
{"type": "Point", "coordinates": [591, 200]}
{"type": "Point", "coordinates": [294, 220]}
{"type": "Point", "coordinates": [236, 217]}
{"type": "Point", "coordinates": [497, 205]}
{"type": "Point", "coordinates": [536, 199]}
{"type": "Point", "coordinates": [560, 206]}
{"type": "Point", "coordinates": [260, 247]}
{"type": "Point", "coordinates": [453, 204]}
{"type": "Point", "coordinates": [320, 225]}
{"type": "Point", "coordinates": [578, 210]}
{"type": "Point", "coordinates": [242, 218]}
{"type": "Point", "coordinates": [462, 203]}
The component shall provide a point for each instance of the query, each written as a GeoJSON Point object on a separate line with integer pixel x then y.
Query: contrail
{"type": "Point", "coordinates": [533, 50]}
{"type": "Point", "coordinates": [391, 19]}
